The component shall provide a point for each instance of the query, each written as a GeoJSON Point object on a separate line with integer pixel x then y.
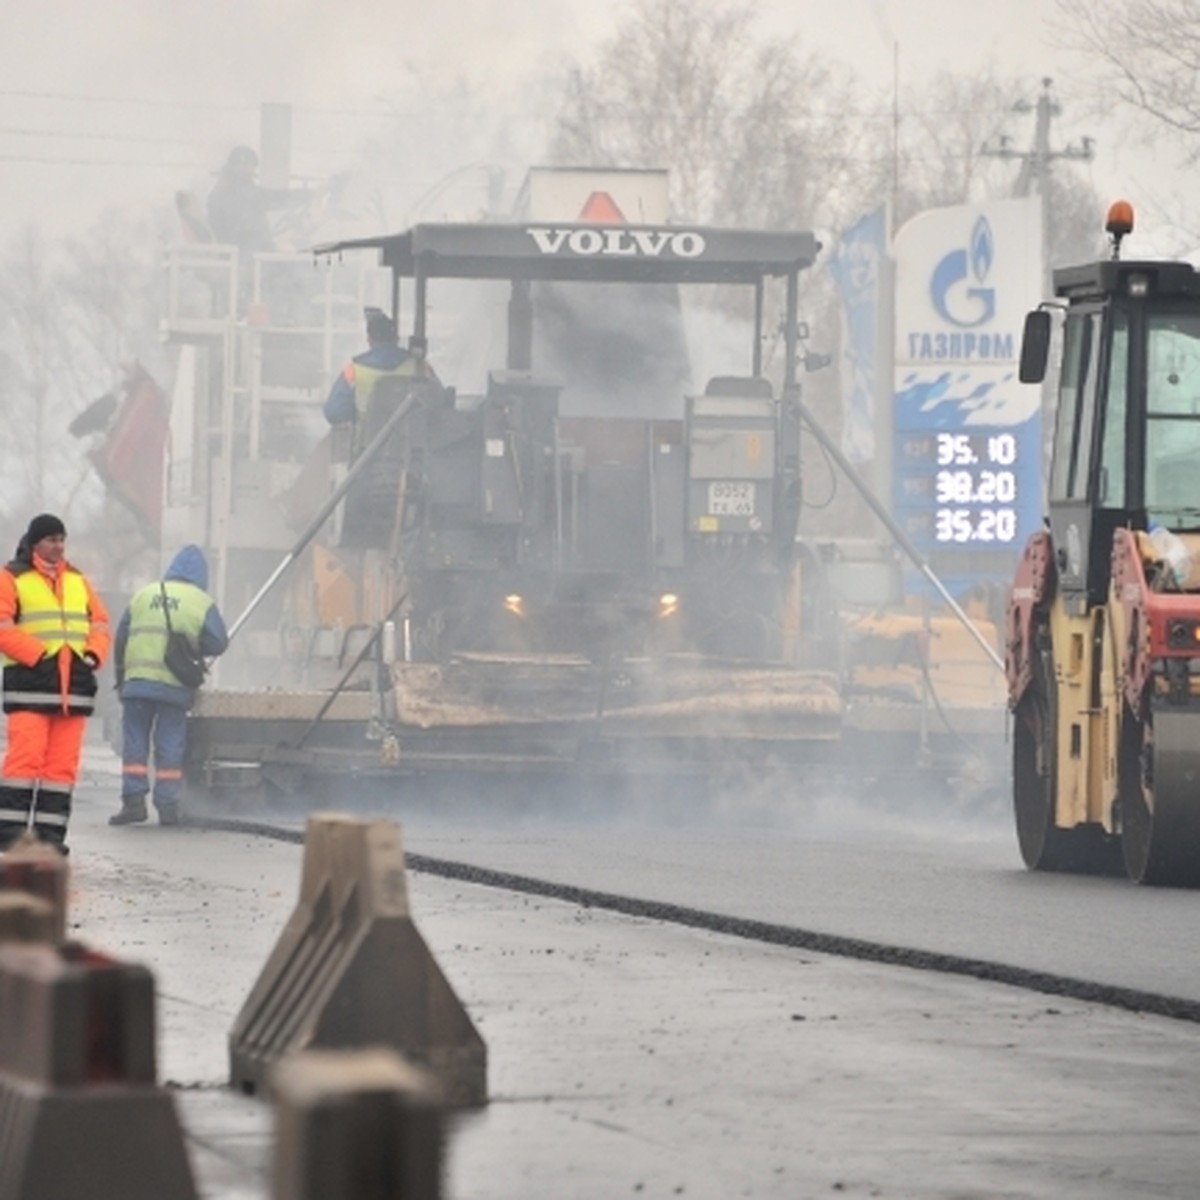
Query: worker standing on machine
{"type": "Point", "coordinates": [54, 636]}
{"type": "Point", "coordinates": [239, 207]}
{"type": "Point", "coordinates": [365, 395]}
{"type": "Point", "coordinates": [353, 390]}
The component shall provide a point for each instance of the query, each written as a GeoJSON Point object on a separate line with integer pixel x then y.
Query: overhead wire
{"type": "Point", "coordinates": [94, 162]}
{"type": "Point", "coordinates": [862, 114]}
{"type": "Point", "coordinates": [88, 136]}
{"type": "Point", "coordinates": [195, 105]}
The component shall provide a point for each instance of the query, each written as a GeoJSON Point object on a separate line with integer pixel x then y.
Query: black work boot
{"type": "Point", "coordinates": [133, 812]}
{"type": "Point", "coordinates": [168, 814]}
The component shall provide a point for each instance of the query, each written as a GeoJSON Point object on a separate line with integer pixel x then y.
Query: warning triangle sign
{"type": "Point", "coordinates": [601, 209]}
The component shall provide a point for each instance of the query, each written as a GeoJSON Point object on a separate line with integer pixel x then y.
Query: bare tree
{"type": "Point", "coordinates": [112, 295]}
{"type": "Point", "coordinates": [1145, 55]}
{"type": "Point", "coordinates": [757, 132]}
{"type": "Point", "coordinates": [72, 313]}
{"type": "Point", "coordinates": [1076, 221]}
{"type": "Point", "coordinates": [946, 126]}
{"type": "Point", "coordinates": [448, 150]}
{"type": "Point", "coordinates": [752, 130]}
{"type": "Point", "coordinates": [950, 130]}
{"type": "Point", "coordinates": [30, 302]}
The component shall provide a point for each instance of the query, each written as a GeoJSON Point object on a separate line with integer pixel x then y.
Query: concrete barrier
{"type": "Point", "coordinates": [25, 918]}
{"type": "Point", "coordinates": [39, 870]}
{"type": "Point", "coordinates": [350, 970]}
{"type": "Point", "coordinates": [361, 1123]}
{"type": "Point", "coordinates": [81, 1116]}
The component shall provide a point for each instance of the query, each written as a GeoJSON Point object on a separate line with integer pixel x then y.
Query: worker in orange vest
{"type": "Point", "coordinates": [53, 636]}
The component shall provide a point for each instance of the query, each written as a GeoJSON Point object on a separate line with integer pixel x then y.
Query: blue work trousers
{"type": "Point", "coordinates": [147, 725]}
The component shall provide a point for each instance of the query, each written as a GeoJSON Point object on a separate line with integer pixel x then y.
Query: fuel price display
{"type": "Point", "coordinates": [968, 490]}
{"type": "Point", "coordinates": [975, 472]}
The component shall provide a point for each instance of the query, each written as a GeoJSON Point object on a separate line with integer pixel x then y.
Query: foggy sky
{"type": "Point", "coordinates": [201, 71]}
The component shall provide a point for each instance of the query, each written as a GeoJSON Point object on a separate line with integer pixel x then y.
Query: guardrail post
{"type": "Point", "coordinates": [25, 918]}
{"type": "Point", "coordinates": [360, 1123]}
{"type": "Point", "coordinates": [350, 970]}
{"type": "Point", "coordinates": [81, 1115]}
{"type": "Point", "coordinates": [39, 870]}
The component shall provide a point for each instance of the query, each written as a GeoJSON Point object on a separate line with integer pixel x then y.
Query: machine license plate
{"type": "Point", "coordinates": [731, 499]}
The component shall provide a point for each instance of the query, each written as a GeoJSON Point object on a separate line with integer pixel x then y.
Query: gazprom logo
{"type": "Point", "coordinates": [963, 299]}
{"type": "Point", "coordinates": [956, 286]}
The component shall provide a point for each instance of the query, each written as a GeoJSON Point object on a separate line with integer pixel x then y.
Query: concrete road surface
{"type": "Point", "coordinates": [633, 1058]}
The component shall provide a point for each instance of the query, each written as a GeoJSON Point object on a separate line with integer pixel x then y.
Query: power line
{"type": "Point", "coordinates": [306, 147]}
{"type": "Point", "coordinates": [865, 114]}
{"type": "Point", "coordinates": [835, 159]}
{"type": "Point", "coordinates": [94, 162]}
{"type": "Point", "coordinates": [141, 101]}
{"type": "Point", "coordinates": [192, 105]}
{"type": "Point", "coordinates": [14, 131]}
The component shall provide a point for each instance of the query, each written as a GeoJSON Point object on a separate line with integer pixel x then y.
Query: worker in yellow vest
{"type": "Point", "coordinates": [154, 699]}
{"type": "Point", "coordinates": [54, 636]}
{"type": "Point", "coordinates": [365, 396]}
{"type": "Point", "coordinates": [352, 392]}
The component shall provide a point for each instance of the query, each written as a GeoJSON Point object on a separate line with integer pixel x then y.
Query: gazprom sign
{"type": "Point", "coordinates": [966, 471]}
{"type": "Point", "coordinates": [965, 277]}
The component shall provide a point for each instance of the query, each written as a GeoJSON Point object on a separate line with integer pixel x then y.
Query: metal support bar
{"type": "Point", "coordinates": [898, 535]}
{"type": "Point", "coordinates": [326, 510]}
{"type": "Point", "coordinates": [756, 356]}
{"type": "Point", "coordinates": [791, 331]}
{"type": "Point", "coordinates": [364, 650]}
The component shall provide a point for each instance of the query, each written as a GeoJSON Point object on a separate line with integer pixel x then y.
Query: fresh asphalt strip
{"type": "Point", "coordinates": [1173, 1007]}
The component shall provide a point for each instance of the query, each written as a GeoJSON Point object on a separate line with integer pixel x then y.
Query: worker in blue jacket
{"type": "Point", "coordinates": [350, 397]}
{"type": "Point", "coordinates": [154, 703]}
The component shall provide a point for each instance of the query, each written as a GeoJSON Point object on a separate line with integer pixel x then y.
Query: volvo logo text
{"type": "Point", "coordinates": [619, 243]}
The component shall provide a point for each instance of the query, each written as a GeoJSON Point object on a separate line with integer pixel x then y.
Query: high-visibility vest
{"type": "Point", "coordinates": [366, 379]}
{"type": "Point", "coordinates": [53, 622]}
{"type": "Point", "coordinates": [146, 645]}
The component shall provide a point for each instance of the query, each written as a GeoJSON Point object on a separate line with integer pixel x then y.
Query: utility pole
{"type": "Point", "coordinates": [1034, 179]}
{"type": "Point", "coordinates": [1034, 175]}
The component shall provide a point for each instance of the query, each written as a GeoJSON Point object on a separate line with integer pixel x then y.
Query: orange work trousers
{"type": "Point", "coordinates": [40, 768]}
{"type": "Point", "coordinates": [44, 747]}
